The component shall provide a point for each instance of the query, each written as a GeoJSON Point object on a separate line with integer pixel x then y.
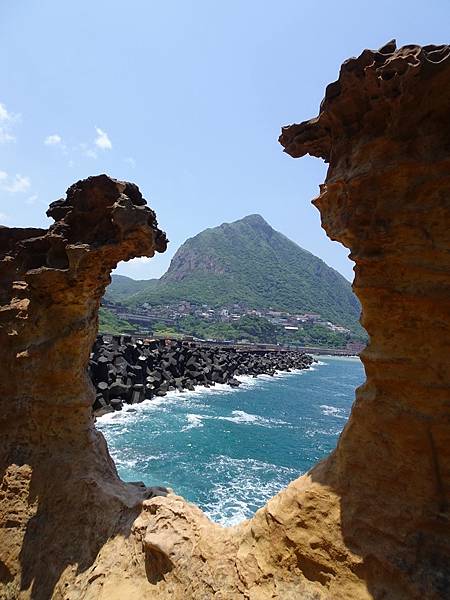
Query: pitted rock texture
{"type": "Point", "coordinates": [60, 497]}
{"type": "Point", "coordinates": [384, 129]}
{"type": "Point", "coordinates": [370, 521]}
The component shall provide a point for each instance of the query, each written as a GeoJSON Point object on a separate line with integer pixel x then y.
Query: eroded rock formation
{"type": "Point", "coordinates": [384, 129]}
{"type": "Point", "coordinates": [60, 497]}
{"type": "Point", "coordinates": [372, 520]}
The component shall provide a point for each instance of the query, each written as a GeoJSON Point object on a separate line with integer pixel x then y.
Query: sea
{"type": "Point", "coordinates": [229, 450]}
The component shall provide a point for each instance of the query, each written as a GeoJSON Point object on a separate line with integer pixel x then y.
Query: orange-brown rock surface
{"type": "Point", "coordinates": [60, 497]}
{"type": "Point", "coordinates": [370, 521]}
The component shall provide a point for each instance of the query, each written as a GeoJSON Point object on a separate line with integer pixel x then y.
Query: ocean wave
{"type": "Point", "coordinates": [193, 421]}
{"type": "Point", "coordinates": [242, 417]}
{"type": "Point", "coordinates": [333, 411]}
{"type": "Point", "coordinates": [128, 463]}
{"type": "Point", "coordinates": [242, 486]}
{"type": "Point", "coordinates": [189, 399]}
{"type": "Point", "coordinates": [134, 412]}
{"type": "Point", "coordinates": [317, 432]}
{"type": "Point", "coordinates": [184, 426]}
{"type": "Point", "coordinates": [237, 416]}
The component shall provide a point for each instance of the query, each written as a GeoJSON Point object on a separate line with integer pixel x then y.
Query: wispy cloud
{"type": "Point", "coordinates": [4, 114]}
{"type": "Point", "coordinates": [4, 218]}
{"type": "Point", "coordinates": [13, 185]}
{"type": "Point", "coordinates": [86, 150]}
{"type": "Point", "coordinates": [19, 183]}
{"type": "Point", "coordinates": [7, 121]}
{"type": "Point", "coordinates": [102, 141]}
{"type": "Point", "coordinates": [130, 161]}
{"type": "Point", "coordinates": [90, 150]}
{"type": "Point", "coordinates": [53, 140]}
{"type": "Point", "coordinates": [90, 153]}
{"type": "Point", "coordinates": [5, 136]}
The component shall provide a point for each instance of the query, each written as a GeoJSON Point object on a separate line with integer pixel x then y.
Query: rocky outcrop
{"type": "Point", "coordinates": [372, 520]}
{"type": "Point", "coordinates": [384, 129]}
{"type": "Point", "coordinates": [60, 497]}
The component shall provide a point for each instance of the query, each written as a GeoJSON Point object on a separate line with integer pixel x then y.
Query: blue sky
{"type": "Point", "coordinates": [185, 98]}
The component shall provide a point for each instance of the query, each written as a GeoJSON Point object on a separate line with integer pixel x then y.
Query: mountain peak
{"type": "Point", "coordinates": [250, 263]}
{"type": "Point", "coordinates": [257, 223]}
{"type": "Point", "coordinates": [254, 219]}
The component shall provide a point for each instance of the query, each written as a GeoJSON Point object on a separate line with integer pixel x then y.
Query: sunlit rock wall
{"type": "Point", "coordinates": [60, 496]}
{"type": "Point", "coordinates": [370, 521]}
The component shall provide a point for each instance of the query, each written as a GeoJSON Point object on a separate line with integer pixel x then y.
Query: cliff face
{"type": "Point", "coordinates": [60, 497]}
{"type": "Point", "coordinates": [384, 129]}
{"type": "Point", "coordinates": [372, 520]}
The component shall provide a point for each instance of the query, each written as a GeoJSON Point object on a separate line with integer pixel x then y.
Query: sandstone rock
{"type": "Point", "coordinates": [59, 488]}
{"type": "Point", "coordinates": [372, 520]}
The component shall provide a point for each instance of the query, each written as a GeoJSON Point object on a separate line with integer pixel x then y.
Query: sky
{"type": "Point", "coordinates": [186, 99]}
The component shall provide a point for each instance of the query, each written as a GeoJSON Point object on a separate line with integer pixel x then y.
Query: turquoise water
{"type": "Point", "coordinates": [230, 450]}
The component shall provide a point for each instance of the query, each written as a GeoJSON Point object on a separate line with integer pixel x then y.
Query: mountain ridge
{"type": "Point", "coordinates": [250, 263]}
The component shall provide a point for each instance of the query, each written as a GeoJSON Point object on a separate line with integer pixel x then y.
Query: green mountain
{"type": "Point", "coordinates": [249, 263]}
{"type": "Point", "coordinates": [122, 288]}
{"type": "Point", "coordinates": [108, 322]}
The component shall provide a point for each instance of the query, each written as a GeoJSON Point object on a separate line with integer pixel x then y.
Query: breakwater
{"type": "Point", "coordinates": [126, 370]}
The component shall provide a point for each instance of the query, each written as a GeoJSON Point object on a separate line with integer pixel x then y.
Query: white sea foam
{"type": "Point", "coordinates": [193, 421]}
{"type": "Point", "coordinates": [133, 412]}
{"type": "Point", "coordinates": [247, 381]}
{"type": "Point", "coordinates": [242, 417]}
{"type": "Point", "coordinates": [129, 413]}
{"type": "Point", "coordinates": [237, 416]}
{"type": "Point", "coordinates": [241, 486]}
{"type": "Point", "coordinates": [229, 489]}
{"type": "Point", "coordinates": [317, 432]}
{"type": "Point", "coordinates": [333, 411]}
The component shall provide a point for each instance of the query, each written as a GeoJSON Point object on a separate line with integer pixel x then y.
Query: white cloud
{"type": "Point", "coordinates": [4, 114]}
{"type": "Point", "coordinates": [13, 185]}
{"type": "Point", "coordinates": [6, 122]}
{"type": "Point", "coordinates": [130, 161]}
{"type": "Point", "coordinates": [3, 217]}
{"type": "Point", "coordinates": [102, 141]}
{"type": "Point", "coordinates": [53, 140]}
{"type": "Point", "coordinates": [20, 183]}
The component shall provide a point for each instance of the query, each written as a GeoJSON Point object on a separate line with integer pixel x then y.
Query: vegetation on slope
{"type": "Point", "coordinates": [123, 287]}
{"type": "Point", "coordinates": [249, 263]}
{"type": "Point", "coordinates": [258, 329]}
{"type": "Point", "coordinates": [108, 322]}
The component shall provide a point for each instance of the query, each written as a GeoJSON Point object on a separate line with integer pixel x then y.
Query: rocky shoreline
{"type": "Point", "coordinates": [128, 371]}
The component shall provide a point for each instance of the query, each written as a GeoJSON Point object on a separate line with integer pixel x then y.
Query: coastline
{"type": "Point", "coordinates": [126, 372]}
{"type": "Point", "coordinates": [247, 381]}
{"type": "Point", "coordinates": [207, 443]}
